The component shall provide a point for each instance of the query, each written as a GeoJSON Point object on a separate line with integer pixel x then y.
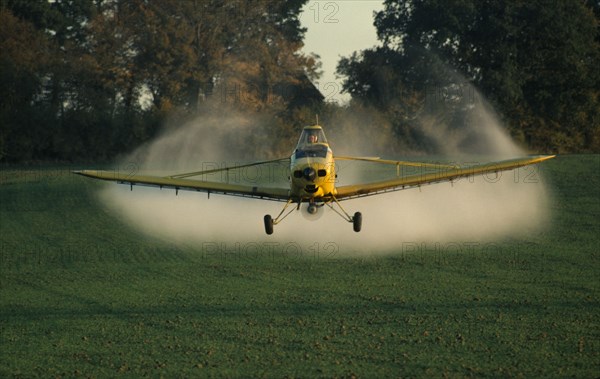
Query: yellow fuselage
{"type": "Point", "coordinates": [312, 175]}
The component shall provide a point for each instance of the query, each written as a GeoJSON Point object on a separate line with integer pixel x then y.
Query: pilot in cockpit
{"type": "Point", "coordinates": [312, 138]}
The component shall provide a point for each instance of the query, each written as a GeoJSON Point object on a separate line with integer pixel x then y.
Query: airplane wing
{"type": "Point", "coordinates": [446, 173]}
{"type": "Point", "coordinates": [396, 163]}
{"type": "Point", "coordinates": [183, 182]}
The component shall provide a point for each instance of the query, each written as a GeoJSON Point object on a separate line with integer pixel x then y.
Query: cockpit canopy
{"type": "Point", "coordinates": [312, 143]}
{"type": "Point", "coordinates": [311, 135]}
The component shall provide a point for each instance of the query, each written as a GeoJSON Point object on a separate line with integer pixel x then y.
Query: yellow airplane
{"type": "Point", "coordinates": [312, 178]}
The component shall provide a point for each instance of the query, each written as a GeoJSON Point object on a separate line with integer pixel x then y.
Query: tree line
{"type": "Point", "coordinates": [90, 79]}
{"type": "Point", "coordinates": [535, 61]}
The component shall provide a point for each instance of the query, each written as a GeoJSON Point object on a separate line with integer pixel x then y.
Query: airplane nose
{"type": "Point", "coordinates": [309, 174]}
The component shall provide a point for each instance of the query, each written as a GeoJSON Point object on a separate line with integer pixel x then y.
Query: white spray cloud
{"type": "Point", "coordinates": [486, 208]}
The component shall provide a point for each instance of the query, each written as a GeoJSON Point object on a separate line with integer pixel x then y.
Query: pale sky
{"type": "Point", "coordinates": [337, 29]}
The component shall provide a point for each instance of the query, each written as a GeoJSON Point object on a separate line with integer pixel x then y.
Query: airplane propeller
{"type": "Point", "coordinates": [312, 211]}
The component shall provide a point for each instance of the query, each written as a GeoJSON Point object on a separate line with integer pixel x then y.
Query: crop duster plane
{"type": "Point", "coordinates": [312, 179]}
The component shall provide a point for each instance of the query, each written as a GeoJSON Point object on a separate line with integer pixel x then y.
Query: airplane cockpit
{"type": "Point", "coordinates": [311, 135]}
{"type": "Point", "coordinates": [312, 143]}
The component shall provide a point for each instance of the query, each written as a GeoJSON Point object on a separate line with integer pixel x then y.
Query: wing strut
{"type": "Point", "coordinates": [345, 214]}
{"type": "Point", "coordinates": [204, 172]}
{"type": "Point", "coordinates": [398, 163]}
{"type": "Point", "coordinates": [278, 219]}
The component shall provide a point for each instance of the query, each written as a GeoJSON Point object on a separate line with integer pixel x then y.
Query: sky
{"type": "Point", "coordinates": [337, 29]}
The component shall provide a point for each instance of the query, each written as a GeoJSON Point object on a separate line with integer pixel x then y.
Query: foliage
{"type": "Point", "coordinates": [89, 79]}
{"type": "Point", "coordinates": [535, 61]}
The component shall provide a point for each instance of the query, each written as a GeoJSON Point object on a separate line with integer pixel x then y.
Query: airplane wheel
{"type": "Point", "coordinates": [268, 224]}
{"type": "Point", "coordinates": [357, 221]}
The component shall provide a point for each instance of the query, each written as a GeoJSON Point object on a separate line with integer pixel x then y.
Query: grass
{"type": "Point", "coordinates": [84, 295]}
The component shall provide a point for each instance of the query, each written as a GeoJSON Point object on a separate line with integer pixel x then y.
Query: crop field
{"type": "Point", "coordinates": [82, 294]}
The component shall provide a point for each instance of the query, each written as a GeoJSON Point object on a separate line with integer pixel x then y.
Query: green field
{"type": "Point", "coordinates": [84, 295]}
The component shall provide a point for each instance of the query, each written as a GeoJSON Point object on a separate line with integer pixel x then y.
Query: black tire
{"type": "Point", "coordinates": [357, 222]}
{"type": "Point", "coordinates": [268, 224]}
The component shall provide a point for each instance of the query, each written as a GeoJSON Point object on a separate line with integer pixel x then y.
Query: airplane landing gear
{"type": "Point", "coordinates": [312, 209]}
{"type": "Point", "coordinates": [269, 221]}
{"type": "Point", "coordinates": [357, 222]}
{"type": "Point", "coordinates": [268, 224]}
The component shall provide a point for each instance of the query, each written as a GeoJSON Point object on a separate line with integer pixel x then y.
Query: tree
{"type": "Point", "coordinates": [24, 66]}
{"type": "Point", "coordinates": [114, 70]}
{"type": "Point", "coordinates": [533, 60]}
